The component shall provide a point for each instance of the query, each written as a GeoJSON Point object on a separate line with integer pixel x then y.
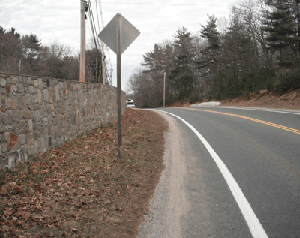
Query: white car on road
{"type": "Point", "coordinates": [129, 103]}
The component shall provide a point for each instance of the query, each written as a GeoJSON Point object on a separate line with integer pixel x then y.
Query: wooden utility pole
{"type": "Point", "coordinates": [82, 42]}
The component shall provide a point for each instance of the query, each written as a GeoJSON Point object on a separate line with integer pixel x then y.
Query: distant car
{"type": "Point", "coordinates": [129, 103]}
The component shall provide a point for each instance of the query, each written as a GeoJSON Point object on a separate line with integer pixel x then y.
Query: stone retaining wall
{"type": "Point", "coordinates": [38, 113]}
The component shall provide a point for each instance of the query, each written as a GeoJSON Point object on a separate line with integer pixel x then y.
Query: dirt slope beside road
{"type": "Point", "coordinates": [82, 189]}
{"type": "Point", "coordinates": [289, 100]}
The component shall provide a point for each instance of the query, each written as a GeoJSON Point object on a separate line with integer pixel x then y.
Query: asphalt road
{"type": "Point", "coordinates": [241, 175]}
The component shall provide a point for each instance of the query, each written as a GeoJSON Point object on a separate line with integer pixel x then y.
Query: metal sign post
{"type": "Point", "coordinates": [119, 86]}
{"type": "Point", "coordinates": [164, 92]}
{"type": "Point", "coordinates": [118, 34]}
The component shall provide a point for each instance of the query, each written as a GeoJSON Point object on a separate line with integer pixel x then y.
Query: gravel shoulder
{"type": "Point", "coordinates": [169, 203]}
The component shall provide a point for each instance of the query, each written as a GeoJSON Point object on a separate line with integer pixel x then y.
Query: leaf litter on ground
{"type": "Point", "coordinates": [82, 189]}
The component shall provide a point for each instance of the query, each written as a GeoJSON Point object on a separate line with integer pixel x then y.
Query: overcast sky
{"type": "Point", "coordinates": [157, 20]}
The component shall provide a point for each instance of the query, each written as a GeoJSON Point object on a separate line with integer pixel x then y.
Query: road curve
{"type": "Point", "coordinates": [258, 148]}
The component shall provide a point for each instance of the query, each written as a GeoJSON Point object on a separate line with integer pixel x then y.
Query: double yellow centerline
{"type": "Point", "coordinates": [253, 119]}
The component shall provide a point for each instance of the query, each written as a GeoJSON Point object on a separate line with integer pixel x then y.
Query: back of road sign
{"type": "Point", "coordinates": [128, 33]}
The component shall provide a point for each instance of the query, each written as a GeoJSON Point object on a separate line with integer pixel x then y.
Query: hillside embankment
{"type": "Point", "coordinates": [289, 100]}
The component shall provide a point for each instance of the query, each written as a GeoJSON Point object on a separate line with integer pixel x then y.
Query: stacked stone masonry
{"type": "Point", "coordinates": [41, 113]}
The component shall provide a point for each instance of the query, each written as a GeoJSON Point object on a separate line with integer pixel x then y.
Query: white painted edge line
{"type": "Point", "coordinates": [242, 108]}
{"type": "Point", "coordinates": [253, 223]}
{"type": "Point", "coordinates": [276, 111]}
{"type": "Point", "coordinates": [262, 109]}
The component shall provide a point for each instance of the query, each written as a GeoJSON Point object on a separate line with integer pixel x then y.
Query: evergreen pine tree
{"type": "Point", "coordinates": [282, 26]}
{"type": "Point", "coordinates": [182, 73]}
{"type": "Point", "coordinates": [211, 33]}
{"type": "Point", "coordinates": [208, 63]}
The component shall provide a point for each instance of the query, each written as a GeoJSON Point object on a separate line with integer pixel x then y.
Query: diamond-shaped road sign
{"type": "Point", "coordinates": [128, 33]}
{"type": "Point", "coordinates": [118, 35]}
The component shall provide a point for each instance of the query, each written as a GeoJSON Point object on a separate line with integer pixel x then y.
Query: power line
{"type": "Point", "coordinates": [96, 39]}
{"type": "Point", "coordinates": [98, 14]}
{"type": "Point", "coordinates": [108, 68]}
{"type": "Point", "coordinates": [107, 76]}
{"type": "Point", "coordinates": [15, 5]}
{"type": "Point", "coordinates": [172, 4]}
{"type": "Point", "coordinates": [91, 18]}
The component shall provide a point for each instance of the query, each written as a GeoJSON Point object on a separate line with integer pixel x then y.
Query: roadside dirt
{"type": "Point", "coordinates": [179, 104]}
{"type": "Point", "coordinates": [289, 100]}
{"type": "Point", "coordinates": [82, 189]}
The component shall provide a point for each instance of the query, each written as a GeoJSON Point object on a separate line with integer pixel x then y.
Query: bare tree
{"type": "Point", "coordinates": [142, 87]}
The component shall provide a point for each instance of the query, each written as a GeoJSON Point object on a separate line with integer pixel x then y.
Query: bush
{"type": "Point", "coordinates": [194, 98]}
{"type": "Point", "coordinates": [288, 81]}
{"type": "Point", "coordinates": [254, 81]}
{"type": "Point", "coordinates": [170, 99]}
